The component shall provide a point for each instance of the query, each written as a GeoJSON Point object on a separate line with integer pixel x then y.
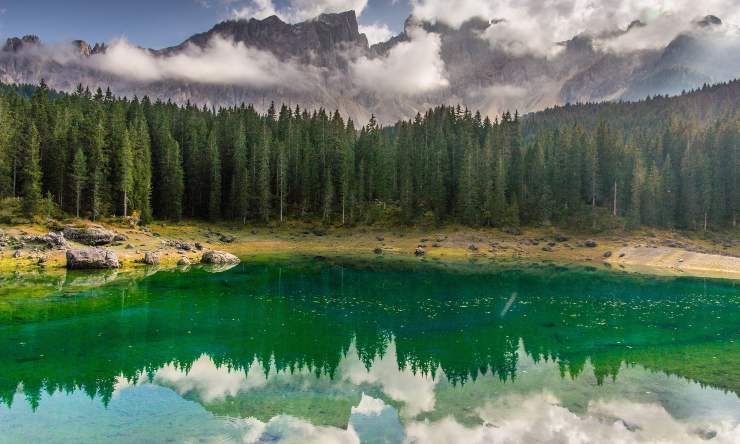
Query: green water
{"type": "Point", "coordinates": [333, 352]}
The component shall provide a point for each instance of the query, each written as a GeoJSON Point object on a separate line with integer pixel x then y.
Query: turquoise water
{"type": "Point", "coordinates": [334, 351]}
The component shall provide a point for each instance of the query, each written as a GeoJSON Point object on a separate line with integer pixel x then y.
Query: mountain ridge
{"type": "Point", "coordinates": [329, 49]}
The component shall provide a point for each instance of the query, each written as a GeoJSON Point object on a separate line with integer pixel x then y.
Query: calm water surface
{"type": "Point", "coordinates": [318, 351]}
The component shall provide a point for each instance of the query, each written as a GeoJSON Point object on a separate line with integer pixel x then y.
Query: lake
{"type": "Point", "coordinates": [338, 351]}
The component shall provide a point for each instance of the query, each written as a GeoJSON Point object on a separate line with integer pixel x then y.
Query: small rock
{"type": "Point", "coordinates": [608, 254]}
{"type": "Point", "coordinates": [320, 232]}
{"type": "Point", "coordinates": [561, 238]}
{"type": "Point", "coordinates": [119, 237]}
{"type": "Point", "coordinates": [183, 262]}
{"type": "Point", "coordinates": [547, 249]}
{"type": "Point", "coordinates": [380, 238]}
{"type": "Point", "coordinates": [227, 239]}
{"type": "Point", "coordinates": [419, 251]}
{"type": "Point", "coordinates": [155, 234]}
{"type": "Point", "coordinates": [378, 251]}
{"type": "Point", "coordinates": [591, 244]}
{"type": "Point", "coordinates": [473, 247]}
{"type": "Point", "coordinates": [129, 247]}
{"type": "Point", "coordinates": [151, 258]}
{"type": "Point", "coordinates": [198, 246]}
{"type": "Point", "coordinates": [621, 254]}
{"type": "Point", "coordinates": [16, 254]}
{"type": "Point", "coordinates": [254, 231]}
{"type": "Point", "coordinates": [436, 245]}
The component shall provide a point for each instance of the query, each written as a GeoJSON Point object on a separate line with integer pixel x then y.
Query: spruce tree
{"type": "Point", "coordinates": [30, 171]}
{"type": "Point", "coordinates": [79, 177]}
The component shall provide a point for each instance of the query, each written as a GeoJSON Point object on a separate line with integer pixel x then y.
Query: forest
{"type": "Point", "coordinates": [668, 162]}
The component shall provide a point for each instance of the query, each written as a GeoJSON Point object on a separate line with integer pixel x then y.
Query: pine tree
{"type": "Point", "coordinates": [240, 180]}
{"type": "Point", "coordinates": [30, 171]}
{"type": "Point", "coordinates": [214, 178]}
{"type": "Point", "coordinates": [79, 177]}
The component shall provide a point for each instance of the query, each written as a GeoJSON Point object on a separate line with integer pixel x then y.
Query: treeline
{"type": "Point", "coordinates": [94, 155]}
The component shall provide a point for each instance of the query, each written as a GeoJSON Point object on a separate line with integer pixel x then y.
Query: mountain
{"type": "Point", "coordinates": [327, 62]}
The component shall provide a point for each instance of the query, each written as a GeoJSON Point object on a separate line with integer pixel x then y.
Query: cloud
{"type": "Point", "coordinates": [220, 62]}
{"type": "Point", "coordinates": [297, 10]}
{"type": "Point", "coordinates": [540, 418]}
{"type": "Point", "coordinates": [536, 27]}
{"type": "Point", "coordinates": [376, 33]}
{"type": "Point", "coordinates": [411, 67]}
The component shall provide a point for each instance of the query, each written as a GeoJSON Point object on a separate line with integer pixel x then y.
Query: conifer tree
{"type": "Point", "coordinates": [30, 171]}
{"type": "Point", "coordinates": [79, 177]}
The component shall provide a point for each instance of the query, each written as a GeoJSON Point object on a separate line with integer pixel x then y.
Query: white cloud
{"type": "Point", "coordinates": [297, 10]}
{"type": "Point", "coordinates": [534, 26]}
{"type": "Point", "coordinates": [540, 418]}
{"type": "Point", "coordinates": [410, 68]}
{"type": "Point", "coordinates": [376, 33]}
{"type": "Point", "coordinates": [221, 62]}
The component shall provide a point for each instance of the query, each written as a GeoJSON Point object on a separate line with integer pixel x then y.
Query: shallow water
{"type": "Point", "coordinates": [323, 351]}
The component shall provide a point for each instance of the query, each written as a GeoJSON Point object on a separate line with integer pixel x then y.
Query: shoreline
{"type": "Point", "coordinates": [641, 252]}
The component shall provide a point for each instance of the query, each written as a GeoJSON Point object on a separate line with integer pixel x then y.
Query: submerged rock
{"type": "Point", "coordinates": [93, 236]}
{"type": "Point", "coordinates": [219, 258]}
{"type": "Point", "coordinates": [91, 259]}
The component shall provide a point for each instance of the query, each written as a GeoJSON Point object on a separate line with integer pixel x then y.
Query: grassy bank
{"type": "Point", "coordinates": [651, 252]}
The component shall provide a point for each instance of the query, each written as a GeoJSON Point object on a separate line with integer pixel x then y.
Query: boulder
{"type": "Point", "coordinates": [91, 259]}
{"type": "Point", "coordinates": [151, 258]}
{"type": "Point", "coordinates": [16, 254]}
{"type": "Point", "coordinates": [219, 258]}
{"type": "Point", "coordinates": [183, 262]}
{"type": "Point", "coordinates": [419, 251]}
{"type": "Point", "coordinates": [51, 240]}
{"type": "Point", "coordinates": [93, 236]}
{"type": "Point", "coordinates": [227, 239]}
{"type": "Point", "coordinates": [561, 238]}
{"type": "Point", "coordinates": [590, 243]}
{"type": "Point", "coordinates": [378, 251]}
{"type": "Point", "coordinates": [473, 247]}
{"type": "Point", "coordinates": [608, 254]}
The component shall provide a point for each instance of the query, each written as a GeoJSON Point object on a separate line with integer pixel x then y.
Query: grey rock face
{"type": "Point", "coordinates": [219, 258]}
{"type": "Point", "coordinates": [91, 259]}
{"type": "Point", "coordinates": [93, 236]}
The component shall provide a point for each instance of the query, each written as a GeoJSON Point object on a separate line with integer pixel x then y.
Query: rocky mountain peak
{"type": "Point", "coordinates": [15, 44]}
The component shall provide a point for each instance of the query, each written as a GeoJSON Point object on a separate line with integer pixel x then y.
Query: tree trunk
{"type": "Point", "coordinates": [614, 210]}
{"type": "Point", "coordinates": [78, 202]}
{"type": "Point", "coordinates": [125, 204]}
{"type": "Point", "coordinates": [706, 221]}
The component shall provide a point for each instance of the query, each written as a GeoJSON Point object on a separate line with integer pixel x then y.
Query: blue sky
{"type": "Point", "coordinates": [151, 23]}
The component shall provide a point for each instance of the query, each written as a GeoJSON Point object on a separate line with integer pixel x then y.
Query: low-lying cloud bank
{"type": "Point", "coordinates": [221, 62]}
{"type": "Point", "coordinates": [533, 27]}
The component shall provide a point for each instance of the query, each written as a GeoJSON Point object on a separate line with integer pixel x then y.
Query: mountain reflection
{"type": "Point", "coordinates": [397, 331]}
